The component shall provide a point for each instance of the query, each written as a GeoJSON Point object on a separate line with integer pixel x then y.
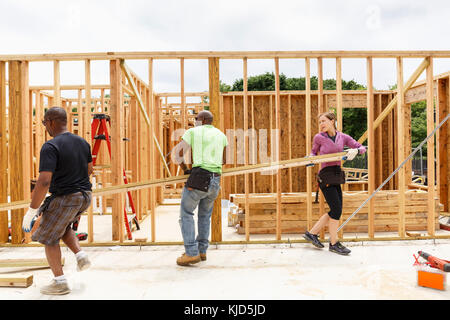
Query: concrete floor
{"type": "Point", "coordinates": [374, 270]}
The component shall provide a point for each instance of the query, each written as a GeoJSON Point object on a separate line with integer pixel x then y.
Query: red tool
{"type": "Point", "coordinates": [81, 236]}
{"type": "Point", "coordinates": [100, 132]}
{"type": "Point", "coordinates": [434, 262]}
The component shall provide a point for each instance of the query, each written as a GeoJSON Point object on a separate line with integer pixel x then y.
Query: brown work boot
{"type": "Point", "coordinates": [185, 260]}
{"type": "Point", "coordinates": [203, 256]}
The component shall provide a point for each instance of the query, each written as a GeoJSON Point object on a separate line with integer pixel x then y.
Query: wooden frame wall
{"type": "Point", "coordinates": [19, 106]}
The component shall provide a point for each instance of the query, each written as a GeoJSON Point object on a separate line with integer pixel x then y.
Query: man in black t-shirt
{"type": "Point", "coordinates": [64, 170]}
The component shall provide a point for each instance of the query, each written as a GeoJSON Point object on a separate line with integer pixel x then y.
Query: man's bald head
{"type": "Point", "coordinates": [56, 113]}
{"type": "Point", "coordinates": [205, 117]}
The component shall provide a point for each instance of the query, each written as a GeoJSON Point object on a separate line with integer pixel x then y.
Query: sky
{"type": "Point", "coordinates": [136, 25]}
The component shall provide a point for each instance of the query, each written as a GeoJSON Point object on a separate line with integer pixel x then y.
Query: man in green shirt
{"type": "Point", "coordinates": [207, 145]}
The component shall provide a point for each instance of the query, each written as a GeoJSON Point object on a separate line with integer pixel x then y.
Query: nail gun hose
{"type": "Point", "coordinates": [393, 173]}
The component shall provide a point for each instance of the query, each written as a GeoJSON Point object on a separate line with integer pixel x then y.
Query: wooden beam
{"type": "Point", "coordinates": [393, 102]}
{"type": "Point", "coordinates": [339, 93]}
{"type": "Point", "coordinates": [270, 166]}
{"type": "Point", "coordinates": [214, 108]}
{"type": "Point", "coordinates": [444, 142]}
{"type": "Point", "coordinates": [401, 148]}
{"type": "Point", "coordinates": [308, 144]}
{"type": "Point", "coordinates": [228, 55]}
{"type": "Point", "coordinates": [24, 263]}
{"type": "Point", "coordinates": [182, 97]}
{"type": "Point", "coordinates": [152, 151]}
{"type": "Point", "coordinates": [371, 145]}
{"type": "Point", "coordinates": [246, 177]}
{"type": "Point", "coordinates": [56, 84]}
{"type": "Point", "coordinates": [16, 280]}
{"type": "Point", "coordinates": [117, 150]}
{"type": "Point", "coordinates": [278, 144]}
{"type": "Point", "coordinates": [430, 148]}
{"type": "Point", "coordinates": [19, 143]}
{"type": "Point", "coordinates": [4, 232]}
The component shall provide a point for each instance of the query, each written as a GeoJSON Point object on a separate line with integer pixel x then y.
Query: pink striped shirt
{"type": "Point", "coordinates": [322, 144]}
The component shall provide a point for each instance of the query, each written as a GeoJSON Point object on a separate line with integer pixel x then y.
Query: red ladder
{"type": "Point", "coordinates": [99, 133]}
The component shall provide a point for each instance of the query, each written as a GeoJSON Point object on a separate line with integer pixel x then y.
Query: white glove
{"type": "Point", "coordinates": [351, 153]}
{"type": "Point", "coordinates": [28, 219]}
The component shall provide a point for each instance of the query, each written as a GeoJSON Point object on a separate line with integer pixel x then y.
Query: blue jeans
{"type": "Point", "coordinates": [190, 199]}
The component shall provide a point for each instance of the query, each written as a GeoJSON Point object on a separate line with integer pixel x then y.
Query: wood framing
{"type": "Point", "coordinates": [285, 121]}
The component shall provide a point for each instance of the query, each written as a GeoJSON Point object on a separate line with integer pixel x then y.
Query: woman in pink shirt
{"type": "Point", "coordinates": [327, 141]}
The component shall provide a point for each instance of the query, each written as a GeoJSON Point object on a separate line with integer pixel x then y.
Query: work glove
{"type": "Point", "coordinates": [351, 153]}
{"type": "Point", "coordinates": [28, 219]}
{"type": "Point", "coordinates": [310, 164]}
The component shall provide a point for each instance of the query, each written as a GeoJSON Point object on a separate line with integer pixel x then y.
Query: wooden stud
{"type": "Point", "coordinates": [371, 145]}
{"type": "Point", "coordinates": [182, 96]}
{"type": "Point", "coordinates": [246, 151]}
{"type": "Point", "coordinates": [116, 148]}
{"type": "Point", "coordinates": [444, 142]}
{"type": "Point", "coordinates": [430, 147]}
{"type": "Point", "coordinates": [339, 93]}
{"type": "Point", "coordinates": [214, 96]}
{"type": "Point", "coordinates": [56, 84]}
{"type": "Point", "coordinates": [152, 154]}
{"type": "Point", "coordinates": [308, 144]}
{"type": "Point", "coordinates": [4, 232]}
{"type": "Point", "coordinates": [400, 148]}
{"type": "Point", "coordinates": [19, 144]}
{"type": "Point", "coordinates": [278, 144]}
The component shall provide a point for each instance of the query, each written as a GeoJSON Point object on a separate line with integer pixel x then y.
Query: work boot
{"type": "Point", "coordinates": [83, 263]}
{"type": "Point", "coordinates": [203, 256]}
{"type": "Point", "coordinates": [56, 288]}
{"type": "Point", "coordinates": [339, 249]}
{"type": "Point", "coordinates": [314, 239]}
{"type": "Point", "coordinates": [185, 260]}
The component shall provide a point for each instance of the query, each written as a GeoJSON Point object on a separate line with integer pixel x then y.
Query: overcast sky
{"type": "Point", "coordinates": [168, 25]}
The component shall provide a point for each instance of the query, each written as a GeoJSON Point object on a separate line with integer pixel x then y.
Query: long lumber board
{"type": "Point", "coordinates": [19, 263]}
{"type": "Point", "coordinates": [180, 179]}
{"type": "Point", "coordinates": [16, 280]}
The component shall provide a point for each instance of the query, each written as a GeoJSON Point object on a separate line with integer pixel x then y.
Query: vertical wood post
{"type": "Point", "coordinates": [400, 148]}
{"type": "Point", "coordinates": [19, 144]}
{"type": "Point", "coordinates": [371, 145]}
{"type": "Point", "coordinates": [430, 149]}
{"type": "Point", "coordinates": [308, 144]}
{"type": "Point", "coordinates": [278, 144]}
{"type": "Point", "coordinates": [3, 155]}
{"type": "Point", "coordinates": [116, 148]}
{"type": "Point", "coordinates": [214, 107]}
{"type": "Point", "coordinates": [56, 85]}
{"type": "Point", "coordinates": [151, 109]}
{"type": "Point", "coordinates": [246, 177]}
{"type": "Point", "coordinates": [444, 143]}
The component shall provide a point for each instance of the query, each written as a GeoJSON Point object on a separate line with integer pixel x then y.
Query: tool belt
{"type": "Point", "coordinates": [331, 175]}
{"type": "Point", "coordinates": [200, 179]}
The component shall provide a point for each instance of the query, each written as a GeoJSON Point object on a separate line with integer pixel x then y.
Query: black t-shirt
{"type": "Point", "coordinates": [67, 156]}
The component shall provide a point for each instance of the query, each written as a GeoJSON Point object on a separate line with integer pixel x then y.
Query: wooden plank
{"type": "Point", "coordinates": [400, 148]}
{"type": "Point", "coordinates": [430, 147]}
{"type": "Point", "coordinates": [228, 55]}
{"type": "Point", "coordinates": [56, 84]}
{"type": "Point", "coordinates": [16, 280]}
{"type": "Point", "coordinates": [4, 232]}
{"type": "Point", "coordinates": [444, 173]}
{"type": "Point", "coordinates": [278, 144]}
{"type": "Point", "coordinates": [308, 142]}
{"type": "Point", "coordinates": [246, 149]}
{"type": "Point", "coordinates": [116, 148]}
{"type": "Point", "coordinates": [371, 145]}
{"type": "Point", "coordinates": [24, 263]}
{"type": "Point", "coordinates": [339, 93]}
{"type": "Point", "coordinates": [151, 108]}
{"type": "Point", "coordinates": [19, 143]}
{"type": "Point", "coordinates": [183, 98]}
{"type": "Point", "coordinates": [214, 107]}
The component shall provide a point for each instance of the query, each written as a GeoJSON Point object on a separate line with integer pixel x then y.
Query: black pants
{"type": "Point", "coordinates": [333, 196]}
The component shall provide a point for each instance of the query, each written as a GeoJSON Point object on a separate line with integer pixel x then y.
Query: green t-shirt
{"type": "Point", "coordinates": [207, 144]}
